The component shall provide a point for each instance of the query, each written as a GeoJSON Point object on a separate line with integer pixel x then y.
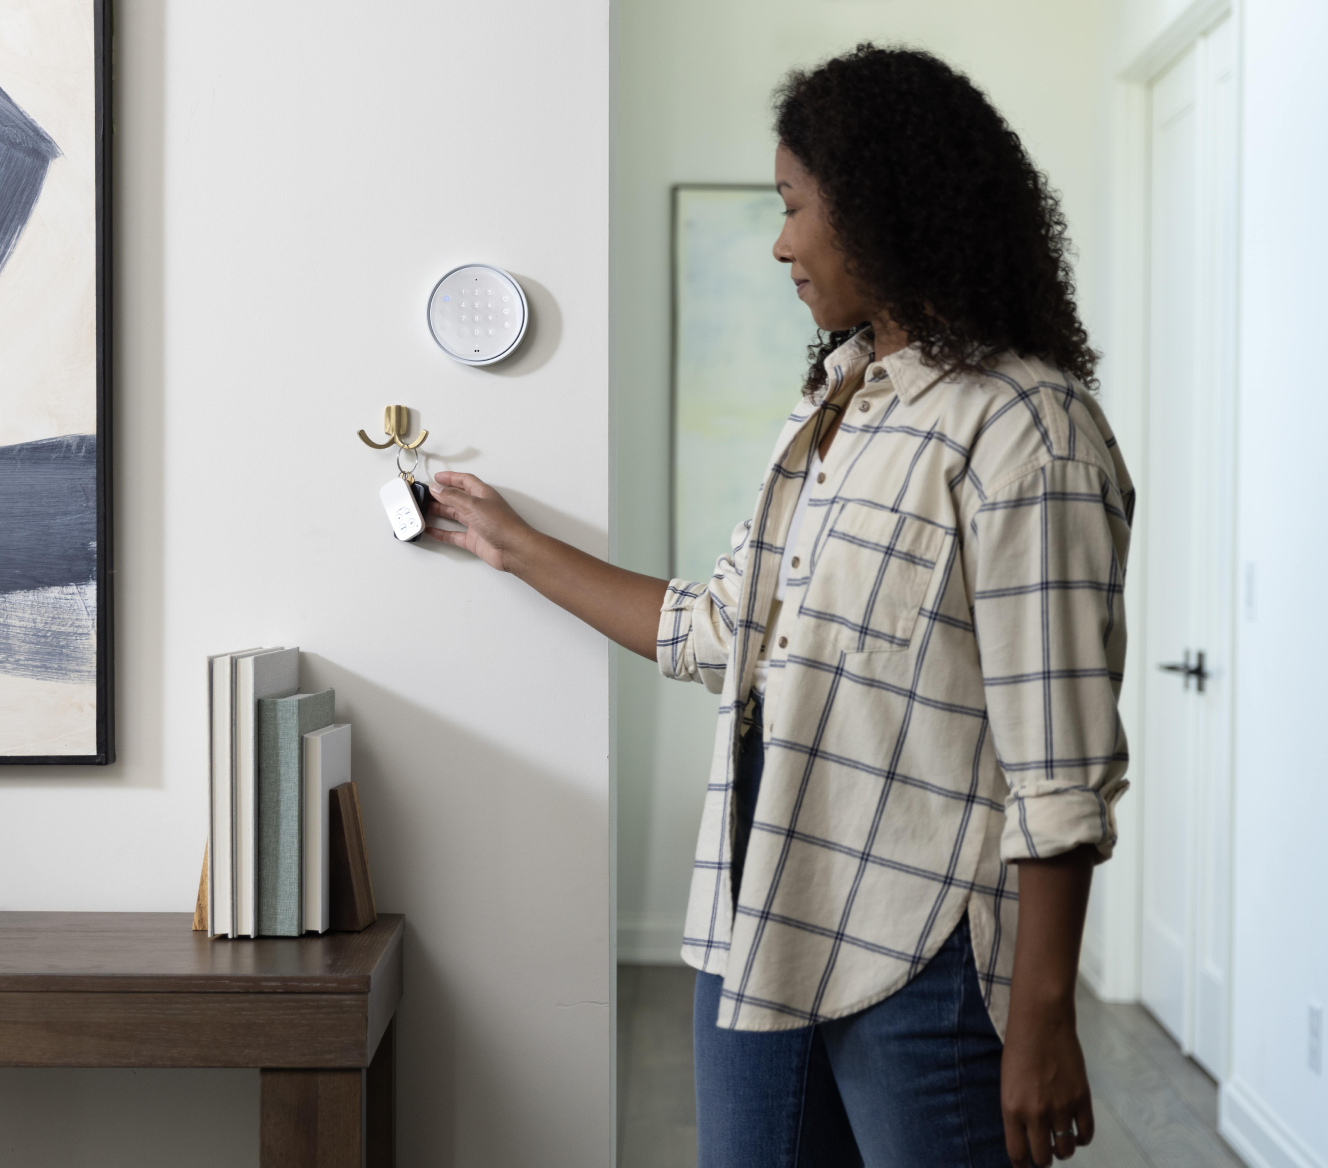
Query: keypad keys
{"type": "Point", "coordinates": [465, 308]}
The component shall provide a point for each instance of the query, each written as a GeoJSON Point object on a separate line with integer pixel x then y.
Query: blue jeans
{"type": "Point", "coordinates": [912, 1081]}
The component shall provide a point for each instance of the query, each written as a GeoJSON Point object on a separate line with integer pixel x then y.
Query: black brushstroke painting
{"type": "Point", "coordinates": [55, 491]}
{"type": "Point", "coordinates": [48, 505]}
{"type": "Point", "coordinates": [48, 559]}
{"type": "Point", "coordinates": [26, 150]}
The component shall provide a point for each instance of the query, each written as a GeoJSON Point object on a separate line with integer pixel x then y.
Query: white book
{"type": "Point", "coordinates": [221, 812]}
{"type": "Point", "coordinates": [269, 673]}
{"type": "Point", "coordinates": [326, 765]}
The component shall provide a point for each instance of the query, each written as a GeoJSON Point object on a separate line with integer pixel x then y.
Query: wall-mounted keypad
{"type": "Point", "coordinates": [477, 314]}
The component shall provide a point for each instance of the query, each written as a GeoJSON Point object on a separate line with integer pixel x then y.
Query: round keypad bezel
{"type": "Point", "coordinates": [445, 303]}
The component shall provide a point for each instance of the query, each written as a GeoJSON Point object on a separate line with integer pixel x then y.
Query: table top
{"type": "Point", "coordinates": [159, 953]}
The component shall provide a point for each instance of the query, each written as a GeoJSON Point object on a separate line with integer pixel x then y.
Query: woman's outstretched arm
{"type": "Point", "coordinates": [622, 605]}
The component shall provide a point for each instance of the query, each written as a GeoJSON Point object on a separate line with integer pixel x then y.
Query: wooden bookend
{"type": "Point", "coordinates": [351, 906]}
{"type": "Point", "coordinates": [201, 904]}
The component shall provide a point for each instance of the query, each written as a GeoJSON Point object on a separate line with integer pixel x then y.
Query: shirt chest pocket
{"type": "Point", "coordinates": [869, 578]}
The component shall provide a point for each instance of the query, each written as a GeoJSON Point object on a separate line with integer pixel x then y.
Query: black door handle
{"type": "Point", "coordinates": [1196, 671]}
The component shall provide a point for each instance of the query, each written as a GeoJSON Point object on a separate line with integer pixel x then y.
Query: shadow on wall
{"type": "Point", "coordinates": [544, 332]}
{"type": "Point", "coordinates": [451, 826]}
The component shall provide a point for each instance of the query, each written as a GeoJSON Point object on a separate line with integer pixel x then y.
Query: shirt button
{"type": "Point", "coordinates": [783, 642]}
{"type": "Point", "coordinates": [820, 478]}
{"type": "Point", "coordinates": [795, 561]}
{"type": "Point", "coordinates": [863, 406]}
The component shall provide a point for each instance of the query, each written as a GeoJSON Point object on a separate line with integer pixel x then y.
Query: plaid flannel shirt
{"type": "Point", "coordinates": [942, 695]}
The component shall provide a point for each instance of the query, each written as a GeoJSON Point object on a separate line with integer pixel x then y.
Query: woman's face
{"type": "Point", "coordinates": [808, 244]}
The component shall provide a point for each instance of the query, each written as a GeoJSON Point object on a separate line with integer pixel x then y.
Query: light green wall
{"type": "Point", "coordinates": [693, 105]}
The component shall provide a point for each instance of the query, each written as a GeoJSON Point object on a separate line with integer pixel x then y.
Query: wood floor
{"type": "Point", "coordinates": [1154, 1107]}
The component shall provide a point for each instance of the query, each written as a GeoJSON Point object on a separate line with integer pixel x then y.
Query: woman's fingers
{"type": "Point", "coordinates": [462, 482]}
{"type": "Point", "coordinates": [447, 535]}
{"type": "Point", "coordinates": [452, 503]}
{"type": "Point", "coordinates": [1016, 1142]}
{"type": "Point", "coordinates": [1039, 1143]}
{"type": "Point", "coordinates": [1062, 1133]}
{"type": "Point", "coordinates": [1083, 1121]}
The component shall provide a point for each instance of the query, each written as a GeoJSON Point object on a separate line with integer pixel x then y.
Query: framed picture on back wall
{"type": "Point", "coordinates": [740, 337]}
{"type": "Point", "coordinates": [56, 675]}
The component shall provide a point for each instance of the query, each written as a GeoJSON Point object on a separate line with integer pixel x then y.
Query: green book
{"type": "Point", "coordinates": [282, 725]}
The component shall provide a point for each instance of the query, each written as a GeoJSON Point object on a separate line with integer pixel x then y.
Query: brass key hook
{"type": "Point", "coordinates": [396, 419]}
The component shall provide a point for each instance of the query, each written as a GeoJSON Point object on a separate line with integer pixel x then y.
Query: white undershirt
{"type": "Point", "coordinates": [785, 568]}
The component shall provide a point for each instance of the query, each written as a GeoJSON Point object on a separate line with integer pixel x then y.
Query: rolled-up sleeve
{"type": "Point", "coordinates": [697, 620]}
{"type": "Point", "coordinates": [1047, 555]}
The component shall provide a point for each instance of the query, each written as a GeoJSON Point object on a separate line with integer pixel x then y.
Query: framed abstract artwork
{"type": "Point", "coordinates": [740, 337]}
{"type": "Point", "coordinates": [56, 701]}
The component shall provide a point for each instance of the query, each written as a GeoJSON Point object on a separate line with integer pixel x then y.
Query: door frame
{"type": "Point", "coordinates": [1114, 970]}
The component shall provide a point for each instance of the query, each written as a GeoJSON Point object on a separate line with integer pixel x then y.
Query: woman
{"type": "Point", "coordinates": [919, 640]}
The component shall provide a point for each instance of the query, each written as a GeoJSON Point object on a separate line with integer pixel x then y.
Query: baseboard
{"type": "Point", "coordinates": [650, 939]}
{"type": "Point", "coordinates": [1258, 1136]}
{"type": "Point", "coordinates": [1092, 980]}
{"type": "Point", "coordinates": [1090, 959]}
{"type": "Point", "coordinates": [1100, 981]}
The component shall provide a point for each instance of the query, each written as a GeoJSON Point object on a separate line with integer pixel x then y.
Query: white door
{"type": "Point", "coordinates": [1169, 503]}
{"type": "Point", "coordinates": [1187, 510]}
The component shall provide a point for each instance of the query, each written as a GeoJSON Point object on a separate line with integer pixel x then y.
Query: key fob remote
{"type": "Point", "coordinates": [406, 505]}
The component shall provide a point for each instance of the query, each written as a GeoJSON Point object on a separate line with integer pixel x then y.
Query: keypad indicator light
{"type": "Point", "coordinates": [462, 300]}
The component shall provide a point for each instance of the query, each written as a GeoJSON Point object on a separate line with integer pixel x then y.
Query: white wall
{"type": "Point", "coordinates": [694, 106]}
{"type": "Point", "coordinates": [1274, 1107]}
{"type": "Point", "coordinates": [290, 181]}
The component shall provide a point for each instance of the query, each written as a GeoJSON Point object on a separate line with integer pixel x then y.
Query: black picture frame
{"type": "Point", "coordinates": [105, 635]}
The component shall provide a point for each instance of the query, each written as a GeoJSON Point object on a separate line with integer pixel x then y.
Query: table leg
{"type": "Point", "coordinates": [332, 1119]}
{"type": "Point", "coordinates": [312, 1119]}
{"type": "Point", "coordinates": [381, 1102]}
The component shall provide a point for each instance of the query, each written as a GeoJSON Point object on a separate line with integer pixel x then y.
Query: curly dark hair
{"type": "Point", "coordinates": [943, 218]}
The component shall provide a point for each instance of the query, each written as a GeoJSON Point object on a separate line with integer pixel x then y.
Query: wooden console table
{"type": "Point", "coordinates": [316, 1014]}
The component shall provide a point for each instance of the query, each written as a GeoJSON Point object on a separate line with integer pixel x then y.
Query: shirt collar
{"type": "Point", "coordinates": [845, 365]}
{"type": "Point", "coordinates": [909, 375]}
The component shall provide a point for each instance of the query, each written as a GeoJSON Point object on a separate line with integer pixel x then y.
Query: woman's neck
{"type": "Point", "coordinates": [888, 336]}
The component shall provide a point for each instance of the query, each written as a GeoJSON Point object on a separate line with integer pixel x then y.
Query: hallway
{"type": "Point", "coordinates": [1155, 1108]}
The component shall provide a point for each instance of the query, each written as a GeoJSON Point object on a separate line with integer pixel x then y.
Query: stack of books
{"type": "Point", "coordinates": [276, 756]}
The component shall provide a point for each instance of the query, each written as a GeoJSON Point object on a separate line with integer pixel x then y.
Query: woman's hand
{"type": "Point", "coordinates": [494, 532]}
{"type": "Point", "coordinates": [1044, 1086]}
